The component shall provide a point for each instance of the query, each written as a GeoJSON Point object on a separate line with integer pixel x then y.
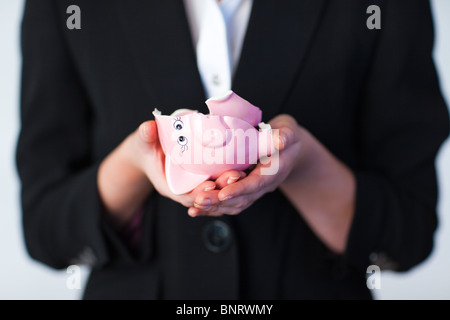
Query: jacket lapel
{"type": "Point", "coordinates": [276, 43]}
{"type": "Point", "coordinates": [159, 37]}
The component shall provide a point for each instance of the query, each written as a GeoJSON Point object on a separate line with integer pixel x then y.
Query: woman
{"type": "Point", "coordinates": [360, 117]}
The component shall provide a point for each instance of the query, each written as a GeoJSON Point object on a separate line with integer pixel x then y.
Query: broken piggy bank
{"type": "Point", "coordinates": [199, 147]}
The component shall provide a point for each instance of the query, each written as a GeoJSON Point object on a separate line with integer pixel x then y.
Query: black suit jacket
{"type": "Point", "coordinates": [371, 96]}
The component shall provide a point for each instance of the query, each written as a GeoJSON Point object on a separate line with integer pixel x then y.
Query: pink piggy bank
{"type": "Point", "coordinates": [200, 147]}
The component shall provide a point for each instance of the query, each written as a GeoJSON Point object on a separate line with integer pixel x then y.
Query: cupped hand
{"type": "Point", "coordinates": [149, 157]}
{"type": "Point", "coordinates": [268, 174]}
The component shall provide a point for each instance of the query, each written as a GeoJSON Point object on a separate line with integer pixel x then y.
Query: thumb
{"type": "Point", "coordinates": [283, 137]}
{"type": "Point", "coordinates": [148, 132]}
{"type": "Point", "coordinates": [284, 131]}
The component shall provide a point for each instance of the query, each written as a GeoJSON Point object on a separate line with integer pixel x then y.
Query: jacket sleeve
{"type": "Point", "coordinates": [403, 122]}
{"type": "Point", "coordinates": [63, 218]}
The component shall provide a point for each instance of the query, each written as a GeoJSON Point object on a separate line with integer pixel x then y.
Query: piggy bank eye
{"type": "Point", "coordinates": [178, 124]}
{"type": "Point", "coordinates": [182, 140]}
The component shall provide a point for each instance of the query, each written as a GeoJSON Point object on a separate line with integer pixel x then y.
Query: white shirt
{"type": "Point", "coordinates": [218, 31]}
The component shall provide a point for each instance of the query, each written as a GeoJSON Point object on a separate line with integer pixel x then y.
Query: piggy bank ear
{"type": "Point", "coordinates": [210, 131]}
{"type": "Point", "coordinates": [179, 180]}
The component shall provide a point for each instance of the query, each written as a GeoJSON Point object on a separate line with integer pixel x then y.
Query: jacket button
{"type": "Point", "coordinates": [217, 236]}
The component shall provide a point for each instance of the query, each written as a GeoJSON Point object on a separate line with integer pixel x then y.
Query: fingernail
{"type": "Point", "coordinates": [199, 206]}
{"type": "Point", "coordinates": [227, 198]}
{"type": "Point", "coordinates": [205, 202]}
{"type": "Point", "coordinates": [203, 205]}
{"type": "Point", "coordinates": [282, 141]}
{"type": "Point", "coordinates": [232, 179]}
{"type": "Point", "coordinates": [144, 131]}
{"type": "Point", "coordinates": [209, 188]}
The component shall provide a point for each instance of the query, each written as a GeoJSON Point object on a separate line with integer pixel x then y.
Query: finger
{"type": "Point", "coordinates": [148, 132]}
{"type": "Point", "coordinates": [229, 177]}
{"type": "Point", "coordinates": [207, 199]}
{"type": "Point", "coordinates": [283, 137]}
{"type": "Point", "coordinates": [197, 212]}
{"type": "Point", "coordinates": [212, 211]}
{"type": "Point", "coordinates": [205, 186]}
{"type": "Point", "coordinates": [240, 202]}
{"type": "Point", "coordinates": [217, 207]}
{"type": "Point", "coordinates": [231, 209]}
{"type": "Point", "coordinates": [194, 212]}
{"type": "Point", "coordinates": [285, 132]}
{"type": "Point", "coordinates": [188, 199]}
{"type": "Point", "coordinates": [251, 184]}
{"type": "Point", "coordinates": [283, 120]}
{"type": "Point", "coordinates": [215, 211]}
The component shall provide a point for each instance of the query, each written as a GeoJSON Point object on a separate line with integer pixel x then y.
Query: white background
{"type": "Point", "coordinates": [24, 279]}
